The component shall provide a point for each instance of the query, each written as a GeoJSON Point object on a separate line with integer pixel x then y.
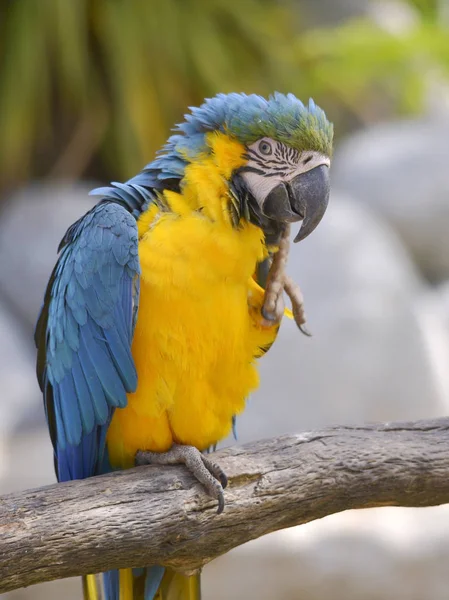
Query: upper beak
{"type": "Point", "coordinates": [310, 197]}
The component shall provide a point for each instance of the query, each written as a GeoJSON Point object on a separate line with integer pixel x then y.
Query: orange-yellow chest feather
{"type": "Point", "coordinates": [196, 337]}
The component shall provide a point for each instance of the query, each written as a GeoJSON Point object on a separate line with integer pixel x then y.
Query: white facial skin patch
{"type": "Point", "coordinates": [272, 162]}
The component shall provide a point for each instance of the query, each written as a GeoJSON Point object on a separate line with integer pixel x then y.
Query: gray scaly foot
{"type": "Point", "coordinates": [202, 468]}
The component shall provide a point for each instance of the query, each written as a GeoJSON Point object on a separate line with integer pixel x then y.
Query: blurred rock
{"type": "Point", "coordinates": [29, 461]}
{"type": "Point", "coordinates": [371, 357]}
{"type": "Point", "coordinates": [395, 17]}
{"type": "Point", "coordinates": [20, 393]}
{"type": "Point", "coordinates": [400, 170]}
{"type": "Point", "coordinates": [443, 293]}
{"type": "Point", "coordinates": [331, 12]}
{"type": "Point", "coordinates": [375, 554]}
{"type": "Point", "coordinates": [32, 224]}
{"type": "Point", "coordinates": [434, 311]}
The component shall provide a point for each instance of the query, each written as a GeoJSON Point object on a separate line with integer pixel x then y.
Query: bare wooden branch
{"type": "Point", "coordinates": [154, 515]}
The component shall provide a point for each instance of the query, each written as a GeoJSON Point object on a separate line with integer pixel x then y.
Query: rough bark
{"type": "Point", "coordinates": [160, 515]}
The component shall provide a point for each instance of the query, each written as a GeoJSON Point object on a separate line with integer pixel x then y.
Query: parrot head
{"type": "Point", "coordinates": [284, 185]}
{"type": "Point", "coordinates": [286, 147]}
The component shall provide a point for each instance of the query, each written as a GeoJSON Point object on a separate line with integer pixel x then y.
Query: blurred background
{"type": "Point", "coordinates": [89, 91]}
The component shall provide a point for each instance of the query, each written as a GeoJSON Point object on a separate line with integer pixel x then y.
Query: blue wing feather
{"type": "Point", "coordinates": [99, 402]}
{"type": "Point", "coordinates": [80, 390]}
{"type": "Point", "coordinates": [84, 333]}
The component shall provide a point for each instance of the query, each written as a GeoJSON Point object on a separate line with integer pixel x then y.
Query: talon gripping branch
{"type": "Point", "coordinates": [152, 319]}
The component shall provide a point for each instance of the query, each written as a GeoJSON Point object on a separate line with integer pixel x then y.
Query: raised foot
{"type": "Point", "coordinates": [278, 282]}
{"type": "Point", "coordinates": [207, 472]}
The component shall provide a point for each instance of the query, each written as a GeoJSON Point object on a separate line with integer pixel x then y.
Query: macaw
{"type": "Point", "coordinates": [153, 317]}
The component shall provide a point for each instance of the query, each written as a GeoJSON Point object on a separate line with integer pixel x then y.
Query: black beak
{"type": "Point", "coordinates": [305, 197]}
{"type": "Point", "coordinates": [310, 198]}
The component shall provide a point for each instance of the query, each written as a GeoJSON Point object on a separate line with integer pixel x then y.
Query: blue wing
{"type": "Point", "coordinates": [83, 335]}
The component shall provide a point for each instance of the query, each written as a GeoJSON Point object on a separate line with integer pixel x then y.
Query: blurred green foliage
{"type": "Point", "coordinates": [92, 87]}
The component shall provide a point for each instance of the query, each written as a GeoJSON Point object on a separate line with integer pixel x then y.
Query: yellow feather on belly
{"type": "Point", "coordinates": [198, 331]}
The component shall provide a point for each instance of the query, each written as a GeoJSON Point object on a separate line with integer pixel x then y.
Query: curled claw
{"type": "Point", "coordinates": [304, 330]}
{"type": "Point", "coordinates": [269, 316]}
{"type": "Point", "coordinates": [293, 291]}
{"type": "Point", "coordinates": [201, 467]}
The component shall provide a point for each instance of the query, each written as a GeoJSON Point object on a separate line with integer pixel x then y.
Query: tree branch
{"type": "Point", "coordinates": [154, 515]}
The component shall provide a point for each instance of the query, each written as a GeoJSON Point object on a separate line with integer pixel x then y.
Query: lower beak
{"type": "Point", "coordinates": [310, 197]}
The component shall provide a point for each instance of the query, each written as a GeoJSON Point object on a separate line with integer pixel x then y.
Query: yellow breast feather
{"type": "Point", "coordinates": [197, 332]}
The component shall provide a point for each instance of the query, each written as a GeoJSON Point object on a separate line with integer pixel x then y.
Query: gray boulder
{"type": "Point", "coordinates": [331, 12]}
{"type": "Point", "coordinates": [433, 306]}
{"type": "Point", "coordinates": [400, 171]}
{"type": "Point", "coordinates": [394, 16]}
{"type": "Point", "coordinates": [20, 394]}
{"type": "Point", "coordinates": [443, 294]}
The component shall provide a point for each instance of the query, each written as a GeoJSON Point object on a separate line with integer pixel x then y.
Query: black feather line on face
{"type": "Point", "coordinates": [282, 156]}
{"type": "Point", "coordinates": [276, 173]}
{"type": "Point", "coordinates": [249, 209]}
{"type": "Point", "coordinates": [252, 170]}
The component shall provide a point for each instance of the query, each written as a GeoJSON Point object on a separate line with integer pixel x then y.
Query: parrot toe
{"type": "Point", "coordinates": [274, 317]}
{"type": "Point", "coordinates": [271, 310]}
{"type": "Point", "coordinates": [202, 468]}
{"type": "Point", "coordinates": [278, 282]}
{"type": "Point", "coordinates": [215, 470]}
{"type": "Point", "coordinates": [293, 291]}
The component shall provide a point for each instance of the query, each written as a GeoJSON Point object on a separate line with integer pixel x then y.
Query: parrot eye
{"type": "Point", "coordinates": [265, 148]}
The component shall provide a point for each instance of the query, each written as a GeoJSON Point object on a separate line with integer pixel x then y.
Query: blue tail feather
{"type": "Point", "coordinates": [111, 585]}
{"type": "Point", "coordinates": [153, 581]}
{"type": "Point", "coordinates": [153, 578]}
